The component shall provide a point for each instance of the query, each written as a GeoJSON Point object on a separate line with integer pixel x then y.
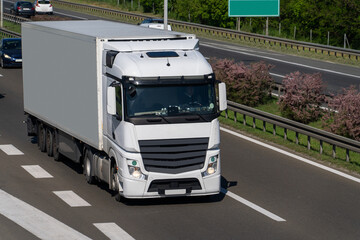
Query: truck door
{"type": "Point", "coordinates": [113, 121]}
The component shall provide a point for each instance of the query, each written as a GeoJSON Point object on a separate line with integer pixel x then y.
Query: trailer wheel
{"type": "Point", "coordinates": [88, 165]}
{"type": "Point", "coordinates": [55, 147]}
{"type": "Point", "coordinates": [42, 137]}
{"type": "Point", "coordinates": [49, 142]}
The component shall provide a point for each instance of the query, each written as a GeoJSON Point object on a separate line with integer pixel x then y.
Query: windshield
{"type": "Point", "coordinates": [171, 100]}
{"type": "Point", "coordinates": [12, 44]}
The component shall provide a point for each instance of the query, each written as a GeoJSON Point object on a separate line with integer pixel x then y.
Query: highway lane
{"type": "Point", "coordinates": [315, 204]}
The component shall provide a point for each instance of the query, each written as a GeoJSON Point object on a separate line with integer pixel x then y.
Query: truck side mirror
{"type": "Point", "coordinates": [222, 97]}
{"type": "Point", "coordinates": [111, 101]}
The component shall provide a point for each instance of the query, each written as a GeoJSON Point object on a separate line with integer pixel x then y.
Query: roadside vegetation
{"type": "Point", "coordinates": [301, 101]}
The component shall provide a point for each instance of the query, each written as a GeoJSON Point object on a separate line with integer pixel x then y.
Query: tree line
{"type": "Point", "coordinates": [327, 20]}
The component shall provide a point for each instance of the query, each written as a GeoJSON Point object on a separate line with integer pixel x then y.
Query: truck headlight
{"type": "Point", "coordinates": [135, 170]}
{"type": "Point", "coordinates": [212, 166]}
{"type": "Point", "coordinates": [6, 56]}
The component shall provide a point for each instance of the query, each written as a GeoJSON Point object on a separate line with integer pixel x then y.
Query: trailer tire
{"type": "Point", "coordinates": [49, 142]}
{"type": "Point", "coordinates": [88, 166]}
{"type": "Point", "coordinates": [42, 137]}
{"type": "Point", "coordinates": [55, 146]}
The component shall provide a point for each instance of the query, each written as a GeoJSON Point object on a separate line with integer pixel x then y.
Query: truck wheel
{"type": "Point", "coordinates": [88, 165]}
{"type": "Point", "coordinates": [114, 179]}
{"type": "Point", "coordinates": [41, 138]}
{"type": "Point", "coordinates": [49, 142]}
{"type": "Point", "coordinates": [55, 147]}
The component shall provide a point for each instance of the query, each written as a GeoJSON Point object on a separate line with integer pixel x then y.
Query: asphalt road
{"type": "Point", "coordinates": [311, 203]}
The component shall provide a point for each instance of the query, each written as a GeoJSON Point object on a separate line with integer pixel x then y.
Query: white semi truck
{"type": "Point", "coordinates": [137, 107]}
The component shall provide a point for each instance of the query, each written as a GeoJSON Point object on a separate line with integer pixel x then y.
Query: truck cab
{"type": "Point", "coordinates": [161, 121]}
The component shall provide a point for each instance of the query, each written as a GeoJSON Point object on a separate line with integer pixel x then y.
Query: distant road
{"type": "Point", "coordinates": [335, 76]}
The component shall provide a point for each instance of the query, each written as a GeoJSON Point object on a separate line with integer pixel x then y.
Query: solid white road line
{"type": "Point", "coordinates": [279, 60]}
{"type": "Point", "coordinates": [292, 155]}
{"type": "Point", "coordinates": [277, 75]}
{"type": "Point", "coordinates": [69, 15]}
{"type": "Point", "coordinates": [36, 171]}
{"type": "Point", "coordinates": [252, 205]}
{"type": "Point", "coordinates": [72, 199]}
{"type": "Point", "coordinates": [113, 231]}
{"type": "Point", "coordinates": [35, 221]}
{"type": "Point", "coordinates": [9, 149]}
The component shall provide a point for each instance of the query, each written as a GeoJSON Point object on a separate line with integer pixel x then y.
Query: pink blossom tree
{"type": "Point", "coordinates": [343, 117]}
{"type": "Point", "coordinates": [303, 97]}
{"type": "Point", "coordinates": [248, 85]}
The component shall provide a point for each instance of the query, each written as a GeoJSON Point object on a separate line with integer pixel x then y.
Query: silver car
{"type": "Point", "coordinates": [43, 6]}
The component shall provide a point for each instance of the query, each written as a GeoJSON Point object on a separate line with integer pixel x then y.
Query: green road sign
{"type": "Point", "coordinates": [254, 8]}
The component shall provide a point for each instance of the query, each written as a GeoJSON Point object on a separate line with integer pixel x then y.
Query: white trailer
{"type": "Point", "coordinates": [135, 106]}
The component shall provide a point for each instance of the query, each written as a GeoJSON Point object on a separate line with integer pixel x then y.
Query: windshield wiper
{"type": "Point", "coordinates": [198, 116]}
{"type": "Point", "coordinates": [154, 119]}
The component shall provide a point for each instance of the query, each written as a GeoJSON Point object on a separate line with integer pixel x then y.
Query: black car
{"type": "Point", "coordinates": [152, 20]}
{"type": "Point", "coordinates": [10, 50]}
{"type": "Point", "coordinates": [23, 8]}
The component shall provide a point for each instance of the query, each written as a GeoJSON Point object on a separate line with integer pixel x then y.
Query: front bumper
{"type": "Point", "coordinates": [178, 185]}
{"type": "Point", "coordinates": [12, 62]}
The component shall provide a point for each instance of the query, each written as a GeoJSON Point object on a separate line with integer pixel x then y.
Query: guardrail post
{"type": "Point", "coordinates": [226, 113]}
{"type": "Point", "coordinates": [334, 151]}
{"type": "Point", "coordinates": [347, 155]}
{"type": "Point", "coordinates": [274, 129]}
{"type": "Point", "coordinates": [308, 142]}
{"type": "Point", "coordinates": [285, 133]}
{"type": "Point", "coordinates": [235, 116]}
{"type": "Point", "coordinates": [321, 147]}
{"type": "Point", "coordinates": [264, 126]}
{"type": "Point", "coordinates": [297, 138]}
{"type": "Point", "coordinates": [254, 124]}
{"type": "Point", "coordinates": [244, 120]}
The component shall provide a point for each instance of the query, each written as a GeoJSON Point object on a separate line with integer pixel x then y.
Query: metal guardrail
{"type": "Point", "coordinates": [310, 132]}
{"type": "Point", "coordinates": [223, 32]}
{"type": "Point", "coordinates": [8, 34]}
{"type": "Point", "coordinates": [15, 19]}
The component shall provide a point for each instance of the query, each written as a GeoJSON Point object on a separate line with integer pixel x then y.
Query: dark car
{"type": "Point", "coordinates": [10, 50]}
{"type": "Point", "coordinates": [23, 8]}
{"type": "Point", "coordinates": [152, 20]}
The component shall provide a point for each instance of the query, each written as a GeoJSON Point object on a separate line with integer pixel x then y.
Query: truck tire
{"type": "Point", "coordinates": [114, 181]}
{"type": "Point", "coordinates": [42, 137]}
{"type": "Point", "coordinates": [55, 146]}
{"type": "Point", "coordinates": [88, 166]}
{"type": "Point", "coordinates": [49, 142]}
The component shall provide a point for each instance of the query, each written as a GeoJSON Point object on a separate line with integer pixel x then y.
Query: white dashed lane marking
{"type": "Point", "coordinates": [253, 206]}
{"type": "Point", "coordinates": [36, 171]}
{"type": "Point", "coordinates": [71, 198]}
{"type": "Point", "coordinates": [9, 149]}
{"type": "Point", "coordinates": [113, 231]}
{"type": "Point", "coordinates": [35, 221]}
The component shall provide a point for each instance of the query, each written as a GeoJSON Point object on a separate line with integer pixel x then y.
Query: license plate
{"type": "Point", "coordinates": [175, 192]}
{"type": "Point", "coordinates": [18, 60]}
{"type": "Point", "coordinates": [26, 8]}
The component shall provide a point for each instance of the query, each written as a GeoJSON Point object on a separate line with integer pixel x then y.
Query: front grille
{"type": "Point", "coordinates": [161, 185]}
{"type": "Point", "coordinates": [173, 155]}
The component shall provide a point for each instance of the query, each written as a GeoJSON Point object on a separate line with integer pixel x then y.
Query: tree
{"type": "Point", "coordinates": [343, 117]}
{"type": "Point", "coordinates": [303, 97]}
